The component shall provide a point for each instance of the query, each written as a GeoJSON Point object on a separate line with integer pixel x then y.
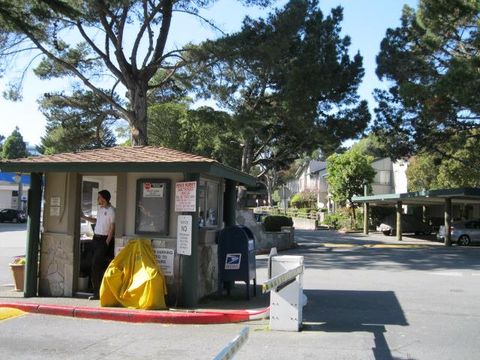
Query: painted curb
{"type": "Point", "coordinates": [8, 313]}
{"type": "Point", "coordinates": [197, 317]}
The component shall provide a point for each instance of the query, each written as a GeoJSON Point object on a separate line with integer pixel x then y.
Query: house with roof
{"type": "Point", "coordinates": [152, 188]}
{"type": "Point", "coordinates": [390, 177]}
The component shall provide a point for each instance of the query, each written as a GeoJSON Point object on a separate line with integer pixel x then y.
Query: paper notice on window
{"type": "Point", "coordinates": [151, 190]}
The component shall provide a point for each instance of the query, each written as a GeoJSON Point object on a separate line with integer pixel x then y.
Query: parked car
{"type": "Point", "coordinates": [462, 232]}
{"type": "Point", "coordinates": [410, 224]}
{"type": "Point", "coordinates": [12, 215]}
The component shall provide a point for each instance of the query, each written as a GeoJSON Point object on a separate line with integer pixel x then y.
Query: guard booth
{"type": "Point", "coordinates": [177, 200]}
{"type": "Point", "coordinates": [236, 258]}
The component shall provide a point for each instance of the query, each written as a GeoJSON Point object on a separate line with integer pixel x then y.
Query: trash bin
{"type": "Point", "coordinates": [236, 257]}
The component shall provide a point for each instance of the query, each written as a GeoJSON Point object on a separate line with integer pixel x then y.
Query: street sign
{"type": "Point", "coordinates": [184, 235]}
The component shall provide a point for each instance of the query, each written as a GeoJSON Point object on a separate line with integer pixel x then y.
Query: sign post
{"type": "Point", "coordinates": [186, 201]}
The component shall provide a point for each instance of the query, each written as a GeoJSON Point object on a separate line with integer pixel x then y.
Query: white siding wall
{"type": "Point", "coordinates": [400, 176]}
{"type": "Point", "coordinates": [5, 199]}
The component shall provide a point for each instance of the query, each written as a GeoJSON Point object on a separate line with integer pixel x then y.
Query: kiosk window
{"type": "Point", "coordinates": [152, 206]}
{"type": "Point", "coordinates": [208, 202]}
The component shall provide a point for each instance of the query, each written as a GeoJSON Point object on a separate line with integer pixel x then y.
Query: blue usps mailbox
{"type": "Point", "coordinates": [236, 257]}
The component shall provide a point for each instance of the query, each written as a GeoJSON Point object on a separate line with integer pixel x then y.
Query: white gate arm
{"type": "Point", "coordinates": [280, 281]}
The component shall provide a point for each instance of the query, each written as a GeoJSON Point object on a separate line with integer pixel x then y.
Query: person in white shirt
{"type": "Point", "coordinates": [103, 239]}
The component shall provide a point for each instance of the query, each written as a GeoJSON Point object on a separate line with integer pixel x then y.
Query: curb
{"type": "Point", "coordinates": [195, 317]}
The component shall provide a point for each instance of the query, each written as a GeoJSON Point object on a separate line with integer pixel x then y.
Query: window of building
{"type": "Point", "coordinates": [153, 206]}
{"type": "Point", "coordinates": [208, 203]}
{"type": "Point", "coordinates": [382, 177]}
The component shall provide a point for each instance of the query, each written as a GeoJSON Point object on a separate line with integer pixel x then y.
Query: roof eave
{"type": "Point", "coordinates": [211, 168]}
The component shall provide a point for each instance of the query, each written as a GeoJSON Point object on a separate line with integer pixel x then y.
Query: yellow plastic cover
{"type": "Point", "coordinates": [134, 279]}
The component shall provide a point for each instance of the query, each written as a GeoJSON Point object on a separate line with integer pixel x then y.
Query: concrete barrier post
{"type": "Point", "coordinates": [287, 300]}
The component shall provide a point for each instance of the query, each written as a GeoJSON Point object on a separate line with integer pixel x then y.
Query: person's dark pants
{"type": "Point", "coordinates": [102, 255]}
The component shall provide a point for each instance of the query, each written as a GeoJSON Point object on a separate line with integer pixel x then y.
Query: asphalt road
{"type": "Point", "coordinates": [369, 297]}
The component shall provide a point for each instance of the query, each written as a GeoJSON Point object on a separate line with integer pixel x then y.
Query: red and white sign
{"type": "Point", "coordinates": [186, 196]}
{"type": "Point", "coordinates": [153, 190]}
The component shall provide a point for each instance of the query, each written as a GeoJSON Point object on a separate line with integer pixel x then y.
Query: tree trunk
{"type": "Point", "coordinates": [139, 119]}
{"type": "Point", "coordinates": [354, 217]}
{"type": "Point", "coordinates": [247, 156]}
{"type": "Point", "coordinates": [269, 184]}
{"type": "Point", "coordinates": [246, 165]}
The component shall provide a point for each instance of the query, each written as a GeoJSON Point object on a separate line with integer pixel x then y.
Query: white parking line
{"type": "Point", "coordinates": [447, 273]}
{"type": "Point", "coordinates": [476, 274]}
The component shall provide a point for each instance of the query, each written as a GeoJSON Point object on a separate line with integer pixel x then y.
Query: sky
{"type": "Point", "coordinates": [365, 21]}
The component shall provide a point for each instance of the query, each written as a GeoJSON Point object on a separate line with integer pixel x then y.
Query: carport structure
{"type": "Point", "coordinates": [447, 197]}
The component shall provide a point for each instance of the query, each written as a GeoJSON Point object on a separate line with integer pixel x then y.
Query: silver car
{"type": "Point", "coordinates": [462, 232]}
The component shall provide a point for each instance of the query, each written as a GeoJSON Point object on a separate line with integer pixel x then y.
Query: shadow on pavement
{"type": "Point", "coordinates": [330, 250]}
{"type": "Point", "coordinates": [237, 299]}
{"type": "Point", "coordinates": [354, 311]}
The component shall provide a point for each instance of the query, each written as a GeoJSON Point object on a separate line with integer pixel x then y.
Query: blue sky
{"type": "Point", "coordinates": [365, 21]}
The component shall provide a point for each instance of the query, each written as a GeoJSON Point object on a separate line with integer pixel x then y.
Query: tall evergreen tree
{"type": "Point", "coordinates": [14, 147]}
{"type": "Point", "coordinates": [77, 122]}
{"type": "Point", "coordinates": [289, 83]}
{"type": "Point", "coordinates": [121, 43]}
{"type": "Point", "coordinates": [432, 62]}
{"type": "Point", "coordinates": [203, 131]}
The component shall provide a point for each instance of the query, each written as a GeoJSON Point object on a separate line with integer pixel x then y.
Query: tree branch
{"type": "Point", "coordinates": [104, 56]}
{"type": "Point", "coordinates": [148, 18]}
{"type": "Point", "coordinates": [73, 69]}
{"type": "Point", "coordinates": [162, 37]}
{"type": "Point", "coordinates": [120, 56]}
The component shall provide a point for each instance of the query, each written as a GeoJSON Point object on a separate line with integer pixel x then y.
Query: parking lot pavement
{"type": "Point", "coordinates": [365, 301]}
{"type": "Point", "coordinates": [13, 238]}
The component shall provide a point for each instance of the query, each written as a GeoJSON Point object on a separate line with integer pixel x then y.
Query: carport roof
{"type": "Point", "coordinates": [125, 159]}
{"type": "Point", "coordinates": [424, 197]}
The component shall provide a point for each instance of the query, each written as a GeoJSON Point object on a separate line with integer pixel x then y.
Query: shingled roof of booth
{"type": "Point", "coordinates": [126, 159]}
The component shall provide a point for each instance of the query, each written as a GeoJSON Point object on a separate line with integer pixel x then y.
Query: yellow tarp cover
{"type": "Point", "coordinates": [134, 279]}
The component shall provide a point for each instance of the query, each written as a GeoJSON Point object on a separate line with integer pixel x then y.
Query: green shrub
{"type": "Point", "coordinates": [296, 200]}
{"type": "Point", "coordinates": [275, 222]}
{"type": "Point", "coordinates": [305, 199]}
{"type": "Point", "coordinates": [310, 213]}
{"type": "Point", "coordinates": [359, 223]}
{"type": "Point", "coordinates": [337, 221]}
{"type": "Point", "coordinates": [343, 219]}
{"type": "Point", "coordinates": [303, 211]}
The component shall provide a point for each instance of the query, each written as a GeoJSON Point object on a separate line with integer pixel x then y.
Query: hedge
{"type": "Point", "coordinates": [275, 222]}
